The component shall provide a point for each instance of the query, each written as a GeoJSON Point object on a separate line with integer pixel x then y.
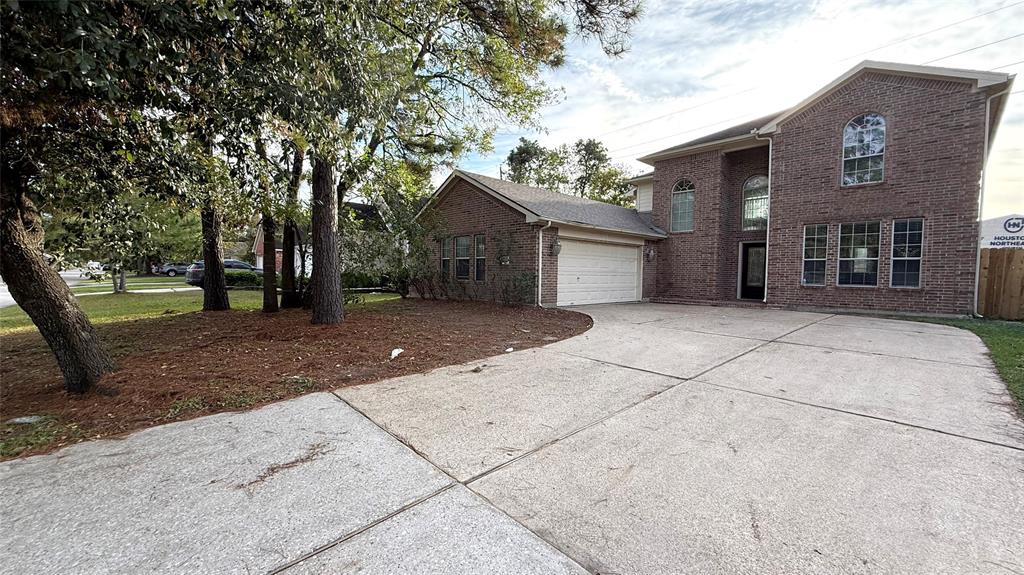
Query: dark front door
{"type": "Point", "coordinates": [752, 268]}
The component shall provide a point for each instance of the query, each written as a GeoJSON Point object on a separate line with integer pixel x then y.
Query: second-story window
{"type": "Point", "coordinates": [864, 150]}
{"type": "Point", "coordinates": [755, 203]}
{"type": "Point", "coordinates": [682, 206]}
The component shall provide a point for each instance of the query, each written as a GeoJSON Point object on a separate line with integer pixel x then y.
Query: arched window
{"type": "Point", "coordinates": [682, 206]}
{"type": "Point", "coordinates": [864, 150]}
{"type": "Point", "coordinates": [755, 203]}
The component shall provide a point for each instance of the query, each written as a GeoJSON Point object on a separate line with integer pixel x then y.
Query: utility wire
{"type": "Point", "coordinates": [631, 146]}
{"type": "Point", "coordinates": [882, 47]}
{"type": "Point", "coordinates": [974, 48]}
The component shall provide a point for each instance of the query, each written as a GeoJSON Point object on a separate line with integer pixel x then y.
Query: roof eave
{"type": "Point", "coordinates": [651, 158]}
{"type": "Point", "coordinates": [652, 234]}
{"type": "Point", "coordinates": [980, 79]}
{"type": "Point", "coordinates": [530, 216]}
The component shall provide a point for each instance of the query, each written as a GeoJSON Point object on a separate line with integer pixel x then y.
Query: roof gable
{"type": "Point", "coordinates": [976, 78]}
{"type": "Point", "coordinates": [540, 204]}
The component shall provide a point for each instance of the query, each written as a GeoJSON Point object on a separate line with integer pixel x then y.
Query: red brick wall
{"type": "Point", "coordinates": [549, 269]}
{"type": "Point", "coordinates": [687, 262]}
{"type": "Point", "coordinates": [737, 167]}
{"type": "Point", "coordinates": [934, 139]}
{"type": "Point", "coordinates": [466, 211]}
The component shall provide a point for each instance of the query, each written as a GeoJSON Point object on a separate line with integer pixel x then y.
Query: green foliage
{"type": "Point", "coordinates": [244, 279]}
{"type": "Point", "coordinates": [18, 437]}
{"type": "Point", "coordinates": [1005, 342]}
{"type": "Point", "coordinates": [585, 169]}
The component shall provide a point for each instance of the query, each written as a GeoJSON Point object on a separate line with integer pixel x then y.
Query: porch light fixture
{"type": "Point", "coordinates": [649, 254]}
{"type": "Point", "coordinates": [556, 247]}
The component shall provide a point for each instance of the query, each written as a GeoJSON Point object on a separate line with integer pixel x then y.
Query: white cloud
{"type": "Point", "coordinates": [697, 67]}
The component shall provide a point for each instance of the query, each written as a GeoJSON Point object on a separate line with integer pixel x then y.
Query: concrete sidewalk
{"type": "Point", "coordinates": [666, 439]}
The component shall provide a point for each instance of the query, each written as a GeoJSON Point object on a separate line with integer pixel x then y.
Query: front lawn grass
{"type": "Point", "coordinates": [109, 308]}
{"type": "Point", "coordinates": [1005, 341]}
{"type": "Point", "coordinates": [132, 282]}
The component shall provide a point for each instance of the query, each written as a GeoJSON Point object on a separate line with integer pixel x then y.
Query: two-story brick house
{"type": "Point", "coordinates": [864, 196]}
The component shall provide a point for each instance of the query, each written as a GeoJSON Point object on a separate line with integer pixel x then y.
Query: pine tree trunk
{"type": "Point", "coordinates": [290, 296]}
{"type": "Point", "coordinates": [43, 294]}
{"type": "Point", "coordinates": [122, 281]}
{"type": "Point", "coordinates": [326, 293]}
{"type": "Point", "coordinates": [215, 290]}
{"type": "Point", "coordinates": [269, 264]}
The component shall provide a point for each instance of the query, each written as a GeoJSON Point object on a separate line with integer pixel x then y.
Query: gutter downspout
{"type": "Point", "coordinates": [540, 261]}
{"type": "Point", "coordinates": [768, 220]}
{"type": "Point", "coordinates": [981, 198]}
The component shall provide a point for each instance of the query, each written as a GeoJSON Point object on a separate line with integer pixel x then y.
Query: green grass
{"type": "Point", "coordinates": [17, 437]}
{"type": "Point", "coordinates": [133, 282]}
{"type": "Point", "coordinates": [110, 308]}
{"type": "Point", "coordinates": [1005, 341]}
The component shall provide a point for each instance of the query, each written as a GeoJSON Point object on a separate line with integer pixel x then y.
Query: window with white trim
{"type": "Point", "coordinates": [815, 254]}
{"type": "Point", "coordinates": [480, 268]}
{"type": "Point", "coordinates": [755, 203]}
{"type": "Point", "coordinates": [907, 244]}
{"type": "Point", "coordinates": [446, 258]}
{"type": "Point", "coordinates": [864, 150]}
{"type": "Point", "coordinates": [682, 206]}
{"type": "Point", "coordinates": [462, 257]}
{"type": "Point", "coordinates": [858, 254]}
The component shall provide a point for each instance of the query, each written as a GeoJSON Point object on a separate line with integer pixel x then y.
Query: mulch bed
{"type": "Point", "coordinates": [183, 366]}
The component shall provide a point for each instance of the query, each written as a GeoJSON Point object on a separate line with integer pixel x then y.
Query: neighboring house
{"type": "Point", "coordinates": [864, 196]}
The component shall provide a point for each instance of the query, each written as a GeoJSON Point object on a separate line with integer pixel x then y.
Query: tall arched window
{"type": "Point", "coordinates": [864, 150]}
{"type": "Point", "coordinates": [682, 206]}
{"type": "Point", "coordinates": [755, 203]}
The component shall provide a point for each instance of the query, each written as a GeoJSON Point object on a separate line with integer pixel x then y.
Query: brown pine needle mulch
{"type": "Point", "coordinates": [183, 366]}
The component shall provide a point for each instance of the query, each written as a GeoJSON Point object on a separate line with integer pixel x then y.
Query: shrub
{"type": "Point", "coordinates": [243, 279]}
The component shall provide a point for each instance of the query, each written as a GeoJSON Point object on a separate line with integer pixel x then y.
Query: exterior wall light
{"type": "Point", "coordinates": [556, 247]}
{"type": "Point", "coordinates": [649, 254]}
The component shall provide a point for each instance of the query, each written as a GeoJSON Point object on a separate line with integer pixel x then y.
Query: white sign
{"type": "Point", "coordinates": [1003, 232]}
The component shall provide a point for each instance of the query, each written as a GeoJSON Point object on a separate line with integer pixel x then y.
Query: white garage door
{"type": "Point", "coordinates": [591, 272]}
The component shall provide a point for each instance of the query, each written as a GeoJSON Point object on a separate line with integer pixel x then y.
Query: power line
{"type": "Point", "coordinates": [674, 112]}
{"type": "Point", "coordinates": [745, 115]}
{"type": "Point", "coordinates": [915, 36]}
{"type": "Point", "coordinates": [883, 46]}
{"type": "Point", "coordinates": [974, 48]}
{"type": "Point", "coordinates": [1007, 65]}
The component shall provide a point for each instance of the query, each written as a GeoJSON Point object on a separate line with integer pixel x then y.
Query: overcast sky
{"type": "Point", "coordinates": [699, 66]}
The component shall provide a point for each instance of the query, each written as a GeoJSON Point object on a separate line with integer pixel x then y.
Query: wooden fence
{"type": "Point", "coordinates": [1001, 290]}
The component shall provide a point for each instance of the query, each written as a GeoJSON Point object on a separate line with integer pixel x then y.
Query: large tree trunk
{"type": "Point", "coordinates": [44, 296]}
{"type": "Point", "coordinates": [326, 298]}
{"type": "Point", "coordinates": [290, 296]}
{"type": "Point", "coordinates": [215, 289]}
{"type": "Point", "coordinates": [269, 264]}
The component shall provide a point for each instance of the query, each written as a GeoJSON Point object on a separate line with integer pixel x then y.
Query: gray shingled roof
{"type": "Point", "coordinates": [548, 205]}
{"type": "Point", "coordinates": [732, 132]}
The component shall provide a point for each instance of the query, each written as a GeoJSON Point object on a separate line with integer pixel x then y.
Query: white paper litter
{"type": "Point", "coordinates": [508, 350]}
{"type": "Point", "coordinates": [395, 352]}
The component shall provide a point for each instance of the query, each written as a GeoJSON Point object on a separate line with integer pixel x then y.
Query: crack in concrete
{"type": "Point", "coordinates": [313, 452]}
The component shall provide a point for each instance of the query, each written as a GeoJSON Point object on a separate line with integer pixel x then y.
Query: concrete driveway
{"type": "Point", "coordinates": [667, 439]}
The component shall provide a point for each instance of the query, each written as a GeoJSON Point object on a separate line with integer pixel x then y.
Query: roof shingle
{"type": "Point", "coordinates": [548, 205]}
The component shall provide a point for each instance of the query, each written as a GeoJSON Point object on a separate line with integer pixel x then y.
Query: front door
{"type": "Point", "coordinates": [752, 269]}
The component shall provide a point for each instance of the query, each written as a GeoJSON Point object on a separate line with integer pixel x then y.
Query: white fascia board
{"type": "Point", "coordinates": [651, 158]}
{"type": "Point", "coordinates": [446, 185]}
{"type": "Point", "coordinates": [979, 79]}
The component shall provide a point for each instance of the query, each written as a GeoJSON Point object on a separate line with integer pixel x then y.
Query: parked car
{"type": "Point", "coordinates": [194, 274]}
{"type": "Point", "coordinates": [171, 269]}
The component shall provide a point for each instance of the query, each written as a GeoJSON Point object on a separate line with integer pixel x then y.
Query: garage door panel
{"type": "Point", "coordinates": [593, 272]}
